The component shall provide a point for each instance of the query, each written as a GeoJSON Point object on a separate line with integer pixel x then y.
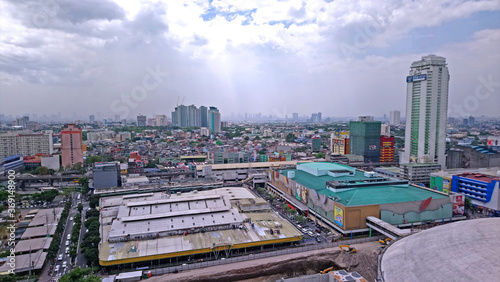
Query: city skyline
{"type": "Point", "coordinates": [275, 58]}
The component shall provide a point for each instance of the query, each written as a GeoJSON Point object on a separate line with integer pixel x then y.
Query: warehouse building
{"type": "Point", "coordinates": [156, 228]}
{"type": "Point", "coordinates": [342, 197]}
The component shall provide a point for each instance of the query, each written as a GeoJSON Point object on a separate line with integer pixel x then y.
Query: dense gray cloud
{"type": "Point", "coordinates": [342, 58]}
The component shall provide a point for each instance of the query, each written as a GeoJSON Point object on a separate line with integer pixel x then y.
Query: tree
{"type": "Point", "coordinates": [41, 170]}
{"type": "Point", "coordinates": [77, 166]}
{"type": "Point", "coordinates": [93, 159]}
{"type": "Point", "coordinates": [320, 155]}
{"type": "Point", "coordinates": [84, 181]}
{"type": "Point", "coordinates": [92, 255]}
{"type": "Point", "coordinates": [80, 275]}
{"type": "Point", "coordinates": [301, 218]}
{"type": "Point", "coordinates": [94, 202]}
{"type": "Point", "coordinates": [290, 137]}
{"type": "Point", "coordinates": [80, 208]}
{"type": "Point", "coordinates": [92, 213]}
{"type": "Point", "coordinates": [4, 195]}
{"type": "Point", "coordinates": [468, 204]}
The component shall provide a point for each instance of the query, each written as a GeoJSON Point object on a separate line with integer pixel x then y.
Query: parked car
{"type": "Point", "coordinates": [69, 236]}
{"type": "Point", "coordinates": [67, 243]}
{"type": "Point", "coordinates": [60, 257]}
{"type": "Point", "coordinates": [71, 218]}
{"type": "Point", "coordinates": [65, 264]}
{"type": "Point", "coordinates": [310, 233]}
{"type": "Point", "coordinates": [318, 239]}
{"type": "Point", "coordinates": [57, 268]}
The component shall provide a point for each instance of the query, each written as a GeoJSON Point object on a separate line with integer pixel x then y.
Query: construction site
{"type": "Point", "coordinates": [310, 263]}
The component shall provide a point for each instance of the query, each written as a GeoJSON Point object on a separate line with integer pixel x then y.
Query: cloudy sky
{"type": "Point", "coordinates": [341, 58]}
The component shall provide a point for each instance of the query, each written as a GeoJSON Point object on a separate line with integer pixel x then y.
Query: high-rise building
{"type": "Point", "coordinates": [472, 121]}
{"type": "Point", "coordinates": [214, 120]}
{"type": "Point", "coordinates": [161, 120]}
{"type": "Point", "coordinates": [117, 118]}
{"type": "Point", "coordinates": [316, 117]}
{"type": "Point", "coordinates": [180, 116]}
{"type": "Point", "coordinates": [91, 119]}
{"type": "Point", "coordinates": [426, 111]}
{"type": "Point", "coordinates": [339, 143]}
{"type": "Point", "coordinates": [395, 117]}
{"type": "Point", "coordinates": [26, 143]}
{"type": "Point", "coordinates": [151, 122]}
{"type": "Point", "coordinates": [316, 143]}
{"type": "Point", "coordinates": [194, 116]}
{"type": "Point", "coordinates": [295, 116]}
{"type": "Point", "coordinates": [386, 148]}
{"type": "Point", "coordinates": [204, 116]}
{"type": "Point", "coordinates": [141, 120]}
{"type": "Point", "coordinates": [365, 140]}
{"type": "Point", "coordinates": [385, 129]}
{"type": "Point", "coordinates": [71, 145]}
{"type": "Point", "coordinates": [20, 122]}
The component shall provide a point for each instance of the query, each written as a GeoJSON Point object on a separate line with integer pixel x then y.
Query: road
{"type": "Point", "coordinates": [80, 260]}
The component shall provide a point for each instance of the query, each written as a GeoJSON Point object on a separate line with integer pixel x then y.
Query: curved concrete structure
{"type": "Point", "coordinates": [461, 251]}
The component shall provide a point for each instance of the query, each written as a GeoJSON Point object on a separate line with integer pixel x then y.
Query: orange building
{"type": "Point", "coordinates": [71, 145]}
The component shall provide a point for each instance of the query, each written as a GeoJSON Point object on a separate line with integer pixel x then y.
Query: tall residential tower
{"type": "Point", "coordinates": [71, 145]}
{"type": "Point", "coordinates": [426, 111]}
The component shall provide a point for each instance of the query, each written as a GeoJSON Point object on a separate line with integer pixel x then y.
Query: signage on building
{"type": "Point", "coordinates": [415, 78]}
{"type": "Point", "coordinates": [425, 203]}
{"type": "Point", "coordinates": [458, 205]}
{"type": "Point", "coordinates": [304, 195]}
{"type": "Point", "coordinates": [339, 216]}
{"type": "Point", "coordinates": [446, 185]}
{"type": "Point", "coordinates": [297, 193]}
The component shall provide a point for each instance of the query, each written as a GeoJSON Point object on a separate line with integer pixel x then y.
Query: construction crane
{"type": "Point", "coordinates": [347, 249]}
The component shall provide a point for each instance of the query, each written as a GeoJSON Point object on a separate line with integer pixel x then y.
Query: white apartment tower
{"type": "Point", "coordinates": [426, 111]}
{"type": "Point", "coordinates": [395, 117]}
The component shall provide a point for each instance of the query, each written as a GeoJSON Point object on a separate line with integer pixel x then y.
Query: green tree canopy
{"type": "Point", "coordinates": [94, 159]}
{"type": "Point", "coordinates": [80, 275]}
{"type": "Point", "coordinates": [41, 170]}
{"type": "Point", "coordinates": [290, 137]}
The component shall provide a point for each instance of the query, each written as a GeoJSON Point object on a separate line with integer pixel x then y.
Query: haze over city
{"type": "Point", "coordinates": [274, 57]}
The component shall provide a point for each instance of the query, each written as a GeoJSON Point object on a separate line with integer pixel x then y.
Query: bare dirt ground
{"type": "Point", "coordinates": [286, 266]}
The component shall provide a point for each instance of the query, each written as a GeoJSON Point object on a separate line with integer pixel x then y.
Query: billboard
{"type": "Point", "coordinates": [297, 193]}
{"type": "Point", "coordinates": [493, 141]}
{"type": "Point", "coordinates": [458, 204]}
{"type": "Point", "coordinates": [415, 78]}
{"type": "Point", "coordinates": [446, 185]}
{"type": "Point", "coordinates": [338, 217]}
{"type": "Point", "coordinates": [304, 195]}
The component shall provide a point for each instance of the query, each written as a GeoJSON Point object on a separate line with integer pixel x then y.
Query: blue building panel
{"type": "Point", "coordinates": [475, 189]}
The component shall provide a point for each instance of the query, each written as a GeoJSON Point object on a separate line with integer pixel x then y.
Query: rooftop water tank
{"type": "Point", "coordinates": [291, 174]}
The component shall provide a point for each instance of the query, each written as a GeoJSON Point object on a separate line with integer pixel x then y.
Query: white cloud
{"type": "Point", "coordinates": [249, 54]}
